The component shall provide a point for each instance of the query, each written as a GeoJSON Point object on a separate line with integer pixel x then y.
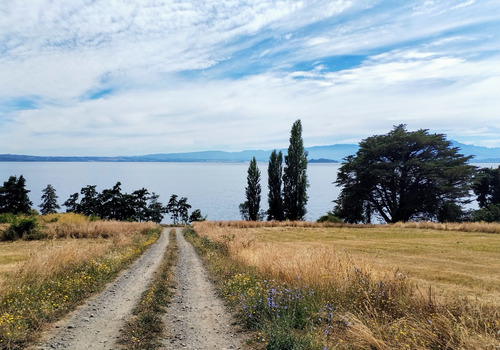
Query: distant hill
{"type": "Point", "coordinates": [317, 154]}
{"type": "Point", "coordinates": [481, 154]}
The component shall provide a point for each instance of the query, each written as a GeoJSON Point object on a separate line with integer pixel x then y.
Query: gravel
{"type": "Point", "coordinates": [197, 318]}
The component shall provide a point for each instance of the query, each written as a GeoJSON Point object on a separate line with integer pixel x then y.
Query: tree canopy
{"type": "Point", "coordinates": [402, 176]}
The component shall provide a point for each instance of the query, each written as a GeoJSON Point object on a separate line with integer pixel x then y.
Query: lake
{"type": "Point", "coordinates": [216, 189]}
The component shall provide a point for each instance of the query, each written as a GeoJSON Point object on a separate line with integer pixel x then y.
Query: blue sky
{"type": "Point", "coordinates": [80, 77]}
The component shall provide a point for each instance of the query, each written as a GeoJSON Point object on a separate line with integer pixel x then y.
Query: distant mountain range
{"type": "Point", "coordinates": [317, 154]}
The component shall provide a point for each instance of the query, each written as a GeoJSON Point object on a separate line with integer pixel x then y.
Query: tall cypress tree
{"type": "Point", "coordinates": [250, 209]}
{"type": "Point", "coordinates": [274, 184]}
{"type": "Point", "coordinates": [49, 201]}
{"type": "Point", "coordinates": [295, 177]}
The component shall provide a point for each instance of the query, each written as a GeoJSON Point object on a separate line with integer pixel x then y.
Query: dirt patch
{"type": "Point", "coordinates": [197, 318]}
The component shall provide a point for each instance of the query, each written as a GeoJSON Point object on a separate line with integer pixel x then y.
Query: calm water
{"type": "Point", "coordinates": [216, 189]}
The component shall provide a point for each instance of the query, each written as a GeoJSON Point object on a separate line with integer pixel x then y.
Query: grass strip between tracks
{"type": "Point", "coordinates": [145, 329]}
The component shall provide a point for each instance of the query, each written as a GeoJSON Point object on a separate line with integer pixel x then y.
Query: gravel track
{"type": "Point", "coordinates": [197, 318]}
{"type": "Point", "coordinates": [97, 323]}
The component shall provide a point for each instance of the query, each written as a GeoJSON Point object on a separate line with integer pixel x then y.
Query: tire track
{"type": "Point", "coordinates": [97, 323]}
{"type": "Point", "coordinates": [197, 318]}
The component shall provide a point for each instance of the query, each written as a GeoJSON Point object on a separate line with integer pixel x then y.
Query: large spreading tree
{"type": "Point", "coordinates": [250, 209]}
{"type": "Point", "coordinates": [295, 176]}
{"type": "Point", "coordinates": [403, 176]}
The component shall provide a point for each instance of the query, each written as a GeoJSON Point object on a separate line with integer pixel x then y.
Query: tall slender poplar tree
{"type": "Point", "coordinates": [275, 197]}
{"type": "Point", "coordinates": [295, 176]}
{"type": "Point", "coordinates": [250, 209]}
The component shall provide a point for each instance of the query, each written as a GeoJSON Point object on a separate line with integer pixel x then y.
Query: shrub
{"type": "Point", "coordinates": [490, 213]}
{"type": "Point", "coordinates": [26, 228]}
{"type": "Point", "coordinates": [329, 217]}
{"type": "Point", "coordinates": [7, 218]}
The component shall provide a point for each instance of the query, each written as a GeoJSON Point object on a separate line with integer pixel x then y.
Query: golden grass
{"type": "Point", "coordinates": [452, 262]}
{"type": "Point", "coordinates": [43, 258]}
{"type": "Point", "coordinates": [41, 280]}
{"type": "Point", "coordinates": [72, 238]}
{"type": "Point", "coordinates": [364, 279]}
{"type": "Point", "coordinates": [78, 226]}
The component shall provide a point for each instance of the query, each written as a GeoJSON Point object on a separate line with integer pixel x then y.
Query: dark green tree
{"type": "Point", "coordinates": [487, 186]}
{"type": "Point", "coordinates": [90, 203]}
{"type": "Point", "coordinates": [251, 207]}
{"type": "Point", "coordinates": [49, 201]}
{"type": "Point", "coordinates": [14, 196]}
{"type": "Point", "coordinates": [487, 190]}
{"type": "Point", "coordinates": [196, 216]}
{"type": "Point", "coordinates": [184, 210]}
{"type": "Point", "coordinates": [402, 176]}
{"type": "Point", "coordinates": [295, 176]}
{"type": "Point", "coordinates": [155, 209]}
{"type": "Point", "coordinates": [244, 212]}
{"type": "Point", "coordinates": [72, 205]}
{"type": "Point", "coordinates": [173, 208]}
{"type": "Point", "coordinates": [274, 184]}
{"type": "Point", "coordinates": [112, 203]}
{"type": "Point", "coordinates": [140, 204]}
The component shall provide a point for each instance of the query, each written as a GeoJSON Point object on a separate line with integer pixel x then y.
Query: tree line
{"type": "Point", "coordinates": [399, 176]}
{"type": "Point", "coordinates": [287, 185]}
{"type": "Point", "coordinates": [110, 204]}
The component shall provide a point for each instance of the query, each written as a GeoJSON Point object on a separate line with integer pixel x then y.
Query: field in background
{"type": "Point", "coordinates": [379, 278]}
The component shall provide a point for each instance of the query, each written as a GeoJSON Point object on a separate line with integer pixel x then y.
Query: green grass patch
{"type": "Point", "coordinates": [32, 303]}
{"type": "Point", "coordinates": [145, 329]}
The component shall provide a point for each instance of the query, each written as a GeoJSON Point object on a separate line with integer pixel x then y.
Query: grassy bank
{"type": "Point", "coordinates": [145, 329]}
{"type": "Point", "coordinates": [42, 280]}
{"type": "Point", "coordinates": [307, 286]}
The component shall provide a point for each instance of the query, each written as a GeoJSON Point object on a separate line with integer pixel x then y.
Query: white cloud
{"type": "Point", "coordinates": [427, 65]}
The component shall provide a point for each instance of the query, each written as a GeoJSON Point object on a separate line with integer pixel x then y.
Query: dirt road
{"type": "Point", "coordinates": [97, 323]}
{"type": "Point", "coordinates": [197, 318]}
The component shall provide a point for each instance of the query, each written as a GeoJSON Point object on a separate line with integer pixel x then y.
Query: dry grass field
{"type": "Point", "coordinates": [467, 263]}
{"type": "Point", "coordinates": [412, 266]}
{"type": "Point", "coordinates": [41, 280]}
{"type": "Point", "coordinates": [22, 259]}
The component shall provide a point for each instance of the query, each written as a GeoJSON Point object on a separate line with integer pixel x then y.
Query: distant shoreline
{"type": "Point", "coordinates": [317, 154]}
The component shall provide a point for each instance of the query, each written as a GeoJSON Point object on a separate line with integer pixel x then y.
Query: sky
{"type": "Point", "coordinates": [129, 77]}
